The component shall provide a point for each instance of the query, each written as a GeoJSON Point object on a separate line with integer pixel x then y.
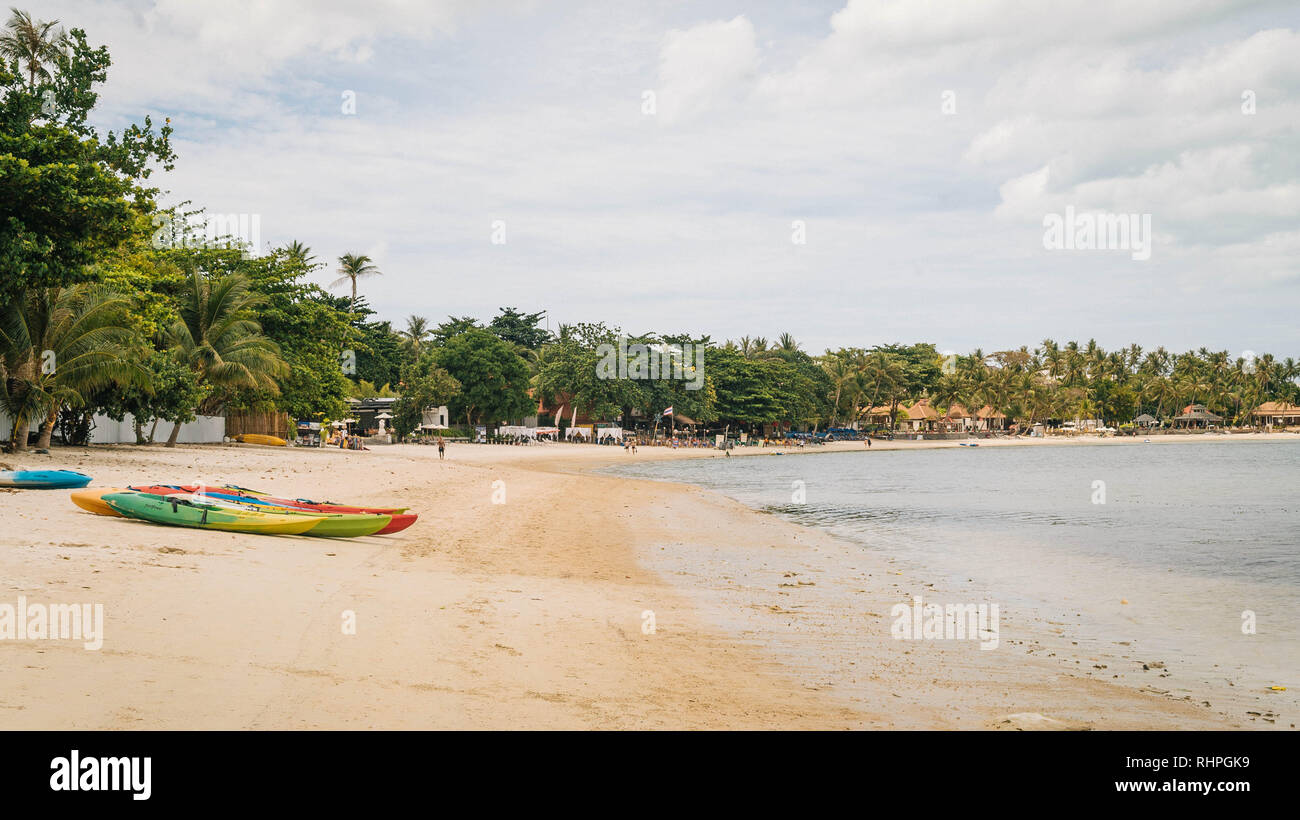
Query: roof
{"type": "Point", "coordinates": [1276, 408]}
{"type": "Point", "coordinates": [987, 412]}
{"type": "Point", "coordinates": [1195, 412]}
{"type": "Point", "coordinates": [922, 410]}
{"type": "Point", "coordinates": [958, 411]}
{"type": "Point", "coordinates": [1144, 418]}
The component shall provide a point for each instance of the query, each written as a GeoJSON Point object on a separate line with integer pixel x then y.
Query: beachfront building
{"type": "Point", "coordinates": [878, 416]}
{"type": "Point", "coordinates": [435, 418]}
{"type": "Point", "coordinates": [958, 418]}
{"type": "Point", "coordinates": [1145, 420]}
{"type": "Point", "coordinates": [1276, 414]}
{"type": "Point", "coordinates": [1195, 416]}
{"type": "Point", "coordinates": [988, 419]}
{"type": "Point", "coordinates": [921, 417]}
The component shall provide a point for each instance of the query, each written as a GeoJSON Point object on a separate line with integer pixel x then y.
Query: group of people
{"type": "Point", "coordinates": [346, 441]}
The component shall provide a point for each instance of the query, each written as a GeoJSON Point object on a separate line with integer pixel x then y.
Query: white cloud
{"type": "Point", "coordinates": [920, 224]}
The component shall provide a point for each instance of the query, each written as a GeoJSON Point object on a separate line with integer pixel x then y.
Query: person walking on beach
{"type": "Point", "coordinates": [442, 448]}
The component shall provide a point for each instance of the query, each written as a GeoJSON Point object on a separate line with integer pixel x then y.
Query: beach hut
{"type": "Point", "coordinates": [1196, 416]}
{"type": "Point", "coordinates": [1145, 420]}
{"type": "Point", "coordinates": [958, 418]}
{"type": "Point", "coordinates": [1276, 414]}
{"type": "Point", "coordinates": [921, 416]}
{"type": "Point", "coordinates": [986, 418]}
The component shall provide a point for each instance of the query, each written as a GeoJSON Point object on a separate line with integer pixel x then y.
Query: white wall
{"type": "Point", "coordinates": [203, 430]}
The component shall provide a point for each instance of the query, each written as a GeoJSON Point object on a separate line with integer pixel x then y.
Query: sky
{"type": "Point", "coordinates": [851, 173]}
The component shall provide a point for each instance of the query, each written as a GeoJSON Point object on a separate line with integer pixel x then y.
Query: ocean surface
{"type": "Point", "coordinates": [1169, 547]}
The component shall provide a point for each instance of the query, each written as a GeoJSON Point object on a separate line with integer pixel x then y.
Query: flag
{"type": "Point", "coordinates": [668, 412]}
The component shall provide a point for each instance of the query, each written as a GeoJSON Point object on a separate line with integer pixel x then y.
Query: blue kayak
{"type": "Point", "coordinates": [43, 479]}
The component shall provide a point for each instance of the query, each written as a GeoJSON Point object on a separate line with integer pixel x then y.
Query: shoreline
{"type": "Point", "coordinates": [523, 614]}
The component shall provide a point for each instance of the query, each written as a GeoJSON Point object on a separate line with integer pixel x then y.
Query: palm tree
{"type": "Point", "coordinates": [59, 345]}
{"type": "Point", "coordinates": [33, 43]}
{"type": "Point", "coordinates": [416, 334]}
{"type": "Point", "coordinates": [299, 254]}
{"type": "Point", "coordinates": [352, 267]}
{"type": "Point", "coordinates": [841, 370]}
{"type": "Point", "coordinates": [217, 337]}
{"type": "Point", "coordinates": [882, 375]}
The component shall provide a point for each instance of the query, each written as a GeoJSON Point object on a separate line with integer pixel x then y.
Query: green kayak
{"type": "Point", "coordinates": [342, 525]}
{"type": "Point", "coordinates": [183, 513]}
{"type": "Point", "coordinates": [329, 525]}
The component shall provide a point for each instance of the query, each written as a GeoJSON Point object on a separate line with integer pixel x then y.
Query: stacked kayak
{"type": "Point", "coordinates": [399, 519]}
{"type": "Point", "coordinates": [182, 512]}
{"type": "Point", "coordinates": [43, 479]}
{"type": "Point", "coordinates": [230, 509]}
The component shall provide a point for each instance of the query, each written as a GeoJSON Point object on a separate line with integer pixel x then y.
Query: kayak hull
{"type": "Point", "coordinates": [93, 501]}
{"type": "Point", "coordinates": [43, 479]}
{"type": "Point", "coordinates": [399, 518]}
{"type": "Point", "coordinates": [182, 513]}
{"type": "Point", "coordinates": [258, 438]}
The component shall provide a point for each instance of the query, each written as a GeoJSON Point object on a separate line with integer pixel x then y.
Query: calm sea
{"type": "Point", "coordinates": [1194, 536]}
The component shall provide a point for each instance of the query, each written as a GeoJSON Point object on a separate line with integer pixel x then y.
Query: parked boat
{"type": "Point", "coordinates": [43, 479]}
{"type": "Point", "coordinates": [182, 512]}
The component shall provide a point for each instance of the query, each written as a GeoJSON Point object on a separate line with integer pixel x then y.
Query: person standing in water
{"type": "Point", "coordinates": [442, 447]}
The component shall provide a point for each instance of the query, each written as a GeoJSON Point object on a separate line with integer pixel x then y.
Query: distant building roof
{"type": "Point", "coordinates": [1197, 412]}
{"type": "Point", "coordinates": [922, 410]}
{"type": "Point", "coordinates": [1276, 408]}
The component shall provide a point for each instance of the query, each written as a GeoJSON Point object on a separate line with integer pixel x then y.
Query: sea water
{"type": "Point", "coordinates": [1187, 552]}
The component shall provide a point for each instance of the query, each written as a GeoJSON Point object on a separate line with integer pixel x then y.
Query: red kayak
{"type": "Point", "coordinates": [401, 520]}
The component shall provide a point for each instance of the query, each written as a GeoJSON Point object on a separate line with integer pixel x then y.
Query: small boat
{"type": "Point", "coordinates": [181, 512]}
{"type": "Point", "coordinates": [258, 438]}
{"type": "Point", "coordinates": [93, 500]}
{"type": "Point", "coordinates": [330, 525]}
{"type": "Point", "coordinates": [360, 519]}
{"type": "Point", "coordinates": [43, 479]}
{"type": "Point", "coordinates": [967, 444]}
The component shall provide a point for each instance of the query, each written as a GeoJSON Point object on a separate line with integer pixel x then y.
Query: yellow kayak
{"type": "Point", "coordinates": [93, 501]}
{"type": "Point", "coordinates": [183, 513]}
{"type": "Point", "coordinates": [258, 438]}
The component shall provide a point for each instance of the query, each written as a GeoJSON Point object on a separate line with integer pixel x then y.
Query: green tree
{"type": "Point", "coordinates": [492, 375]}
{"type": "Point", "coordinates": [520, 328]}
{"type": "Point", "coordinates": [33, 44]}
{"type": "Point", "coordinates": [217, 336]}
{"type": "Point", "coordinates": [60, 345]}
{"type": "Point", "coordinates": [354, 266]}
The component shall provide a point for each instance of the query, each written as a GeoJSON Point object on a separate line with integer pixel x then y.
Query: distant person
{"type": "Point", "coordinates": [442, 448]}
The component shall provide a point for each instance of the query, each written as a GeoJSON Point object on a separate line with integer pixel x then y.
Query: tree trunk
{"type": "Point", "coordinates": [47, 428]}
{"type": "Point", "coordinates": [176, 431]}
{"type": "Point", "coordinates": [153, 430]}
{"type": "Point", "coordinates": [138, 428]}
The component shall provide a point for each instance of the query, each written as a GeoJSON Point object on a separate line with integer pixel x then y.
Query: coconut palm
{"type": "Point", "coordinates": [60, 344]}
{"type": "Point", "coordinates": [299, 254]}
{"type": "Point", "coordinates": [216, 335]}
{"type": "Point", "coordinates": [416, 334]}
{"type": "Point", "coordinates": [352, 267]}
{"type": "Point", "coordinates": [33, 43]}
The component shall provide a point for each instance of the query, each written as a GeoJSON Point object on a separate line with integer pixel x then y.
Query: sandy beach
{"type": "Point", "coordinates": [521, 599]}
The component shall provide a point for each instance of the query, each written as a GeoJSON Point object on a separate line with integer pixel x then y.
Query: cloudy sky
{"type": "Point", "coordinates": [653, 164]}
